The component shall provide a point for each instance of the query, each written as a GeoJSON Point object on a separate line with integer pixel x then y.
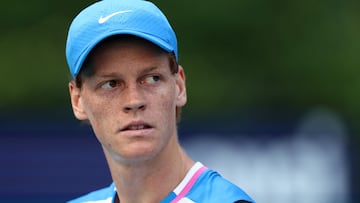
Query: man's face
{"type": "Point", "coordinates": [131, 99]}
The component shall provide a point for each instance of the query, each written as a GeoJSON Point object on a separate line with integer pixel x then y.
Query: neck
{"type": "Point", "coordinates": [152, 180]}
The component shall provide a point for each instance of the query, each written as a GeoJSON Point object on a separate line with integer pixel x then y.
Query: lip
{"type": "Point", "coordinates": [136, 128]}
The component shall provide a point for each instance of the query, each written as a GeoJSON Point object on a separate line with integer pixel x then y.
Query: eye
{"type": "Point", "coordinates": [152, 79]}
{"type": "Point", "coordinates": [109, 84]}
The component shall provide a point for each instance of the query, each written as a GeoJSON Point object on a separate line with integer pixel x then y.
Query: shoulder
{"type": "Point", "coordinates": [104, 195]}
{"type": "Point", "coordinates": [212, 187]}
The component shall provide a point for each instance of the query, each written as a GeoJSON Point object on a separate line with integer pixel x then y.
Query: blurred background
{"type": "Point", "coordinates": [273, 90]}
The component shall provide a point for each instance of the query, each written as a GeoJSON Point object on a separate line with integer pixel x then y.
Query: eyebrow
{"type": "Point", "coordinates": [147, 70]}
{"type": "Point", "coordinates": [112, 74]}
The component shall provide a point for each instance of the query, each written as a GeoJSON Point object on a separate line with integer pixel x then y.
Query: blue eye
{"type": "Point", "coordinates": [109, 84]}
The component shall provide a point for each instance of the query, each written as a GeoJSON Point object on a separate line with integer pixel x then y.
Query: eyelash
{"type": "Point", "coordinates": [146, 80]}
{"type": "Point", "coordinates": [155, 78]}
{"type": "Point", "coordinates": [110, 84]}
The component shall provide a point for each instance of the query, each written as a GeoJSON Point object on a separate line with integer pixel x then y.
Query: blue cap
{"type": "Point", "coordinates": [115, 17]}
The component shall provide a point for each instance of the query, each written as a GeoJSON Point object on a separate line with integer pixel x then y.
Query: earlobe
{"type": "Point", "coordinates": [180, 80]}
{"type": "Point", "coordinates": [76, 102]}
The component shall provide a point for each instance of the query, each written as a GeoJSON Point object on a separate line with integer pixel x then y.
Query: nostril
{"type": "Point", "coordinates": [139, 107]}
{"type": "Point", "coordinates": [142, 107]}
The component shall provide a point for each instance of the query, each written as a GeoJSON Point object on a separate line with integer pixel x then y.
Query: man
{"type": "Point", "coordinates": [127, 84]}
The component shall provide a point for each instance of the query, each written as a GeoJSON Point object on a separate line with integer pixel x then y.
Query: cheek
{"type": "Point", "coordinates": [91, 107]}
{"type": "Point", "coordinates": [103, 122]}
{"type": "Point", "coordinates": [167, 104]}
{"type": "Point", "coordinates": [97, 112]}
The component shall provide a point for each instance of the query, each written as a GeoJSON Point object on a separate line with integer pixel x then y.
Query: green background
{"type": "Point", "coordinates": [262, 58]}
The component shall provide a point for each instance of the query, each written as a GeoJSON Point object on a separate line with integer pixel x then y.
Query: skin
{"type": "Point", "coordinates": [130, 102]}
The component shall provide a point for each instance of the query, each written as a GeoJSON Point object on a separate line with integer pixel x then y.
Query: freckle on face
{"type": "Point", "coordinates": [128, 59]}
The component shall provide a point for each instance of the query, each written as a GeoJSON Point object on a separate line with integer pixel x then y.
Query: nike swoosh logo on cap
{"type": "Point", "coordinates": [106, 18]}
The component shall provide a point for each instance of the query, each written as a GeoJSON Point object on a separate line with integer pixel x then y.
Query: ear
{"type": "Point", "coordinates": [76, 101]}
{"type": "Point", "coordinates": [181, 87]}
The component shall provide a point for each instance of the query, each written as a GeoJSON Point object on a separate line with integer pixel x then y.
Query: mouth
{"type": "Point", "coordinates": [136, 126]}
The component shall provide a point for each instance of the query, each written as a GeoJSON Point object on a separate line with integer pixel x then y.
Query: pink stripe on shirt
{"type": "Point", "coordinates": [189, 185]}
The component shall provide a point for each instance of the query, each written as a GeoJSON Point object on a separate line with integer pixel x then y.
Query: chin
{"type": "Point", "coordinates": [135, 155]}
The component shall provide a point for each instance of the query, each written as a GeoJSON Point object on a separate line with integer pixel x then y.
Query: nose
{"type": "Point", "coordinates": [134, 108]}
{"type": "Point", "coordinates": [134, 101]}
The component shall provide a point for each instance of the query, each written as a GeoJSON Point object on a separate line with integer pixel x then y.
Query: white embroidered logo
{"type": "Point", "coordinates": [106, 18]}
